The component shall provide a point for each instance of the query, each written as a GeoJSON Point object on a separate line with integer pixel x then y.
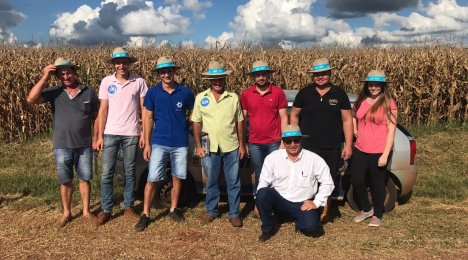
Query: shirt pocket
{"type": "Point", "coordinates": [86, 106]}
{"type": "Point", "coordinates": [303, 180]}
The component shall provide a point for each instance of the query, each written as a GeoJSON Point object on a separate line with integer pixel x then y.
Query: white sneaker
{"type": "Point", "coordinates": [375, 222]}
{"type": "Point", "coordinates": [363, 215]}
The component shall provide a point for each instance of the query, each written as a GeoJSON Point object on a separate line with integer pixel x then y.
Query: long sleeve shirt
{"type": "Point", "coordinates": [297, 180]}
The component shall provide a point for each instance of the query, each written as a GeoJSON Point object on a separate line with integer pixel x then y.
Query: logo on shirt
{"type": "Point", "coordinates": [112, 89]}
{"type": "Point", "coordinates": [333, 102]}
{"type": "Point", "coordinates": [205, 102]}
{"type": "Point", "coordinates": [179, 106]}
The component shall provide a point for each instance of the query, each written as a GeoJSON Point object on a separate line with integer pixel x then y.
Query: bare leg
{"type": "Point", "coordinates": [85, 188]}
{"type": "Point", "coordinates": [66, 190]}
{"type": "Point", "coordinates": [175, 192]}
{"type": "Point", "coordinates": [150, 189]}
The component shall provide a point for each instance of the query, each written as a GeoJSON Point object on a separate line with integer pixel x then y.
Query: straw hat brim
{"type": "Point", "coordinates": [75, 67]}
{"type": "Point", "coordinates": [132, 59]}
{"type": "Point", "coordinates": [216, 76]}
{"type": "Point", "coordinates": [174, 67]}
{"type": "Point", "coordinates": [375, 81]}
{"type": "Point", "coordinates": [314, 71]}
{"type": "Point", "coordinates": [253, 72]}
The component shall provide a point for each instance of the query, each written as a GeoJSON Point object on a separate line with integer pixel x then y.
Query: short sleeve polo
{"type": "Point", "coordinates": [320, 116]}
{"type": "Point", "coordinates": [219, 119]}
{"type": "Point", "coordinates": [264, 119]}
{"type": "Point", "coordinates": [72, 117]}
{"type": "Point", "coordinates": [124, 104]}
{"type": "Point", "coordinates": [170, 113]}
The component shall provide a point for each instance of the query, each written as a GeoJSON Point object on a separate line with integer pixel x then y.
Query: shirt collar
{"type": "Point", "coordinates": [161, 89]}
{"type": "Point", "coordinates": [254, 89]}
{"type": "Point", "coordinates": [285, 155]}
{"type": "Point", "coordinates": [131, 78]}
{"type": "Point", "coordinates": [207, 93]}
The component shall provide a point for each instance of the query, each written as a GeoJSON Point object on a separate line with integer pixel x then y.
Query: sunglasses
{"type": "Point", "coordinates": [296, 140]}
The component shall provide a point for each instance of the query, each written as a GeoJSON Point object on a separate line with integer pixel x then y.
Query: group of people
{"type": "Point", "coordinates": [295, 159]}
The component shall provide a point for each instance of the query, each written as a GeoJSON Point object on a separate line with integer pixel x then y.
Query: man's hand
{"type": "Point", "coordinates": [347, 152]}
{"type": "Point", "coordinates": [200, 152]}
{"type": "Point", "coordinates": [141, 141]}
{"type": "Point", "coordinates": [49, 70]}
{"type": "Point", "coordinates": [247, 152]}
{"type": "Point", "coordinates": [99, 144]}
{"type": "Point", "coordinates": [242, 151]}
{"type": "Point", "coordinates": [308, 205]}
{"type": "Point", "coordinates": [147, 152]}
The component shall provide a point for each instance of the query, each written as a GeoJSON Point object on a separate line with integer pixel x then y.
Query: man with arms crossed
{"type": "Point", "coordinates": [74, 111]}
{"type": "Point", "coordinates": [168, 104]}
{"type": "Point", "coordinates": [121, 96]}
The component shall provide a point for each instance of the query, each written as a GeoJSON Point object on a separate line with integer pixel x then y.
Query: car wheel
{"type": "Point", "coordinates": [405, 198]}
{"type": "Point", "coordinates": [163, 193]}
{"type": "Point", "coordinates": [390, 197]}
{"type": "Point", "coordinates": [186, 197]}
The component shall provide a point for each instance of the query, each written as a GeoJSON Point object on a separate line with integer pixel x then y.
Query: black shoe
{"type": "Point", "coordinates": [143, 223]}
{"type": "Point", "coordinates": [265, 237]}
{"type": "Point", "coordinates": [176, 215]}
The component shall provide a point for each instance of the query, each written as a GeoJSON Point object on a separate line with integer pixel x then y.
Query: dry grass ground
{"type": "Point", "coordinates": [433, 224]}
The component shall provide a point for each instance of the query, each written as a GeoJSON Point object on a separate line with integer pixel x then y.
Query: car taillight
{"type": "Point", "coordinates": [412, 151]}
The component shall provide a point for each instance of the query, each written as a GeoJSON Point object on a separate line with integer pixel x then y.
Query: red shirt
{"type": "Point", "coordinates": [372, 136]}
{"type": "Point", "coordinates": [265, 122]}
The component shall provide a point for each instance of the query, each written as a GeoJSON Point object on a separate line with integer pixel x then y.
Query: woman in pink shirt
{"type": "Point", "coordinates": [375, 119]}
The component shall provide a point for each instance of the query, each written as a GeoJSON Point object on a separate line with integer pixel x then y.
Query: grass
{"type": "Point", "coordinates": [432, 225]}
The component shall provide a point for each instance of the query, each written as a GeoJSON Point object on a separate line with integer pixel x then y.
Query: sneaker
{"type": "Point", "coordinates": [102, 218]}
{"type": "Point", "coordinates": [130, 213]}
{"type": "Point", "coordinates": [206, 218]}
{"type": "Point", "coordinates": [176, 215]}
{"type": "Point", "coordinates": [236, 221]}
{"type": "Point", "coordinates": [363, 215]}
{"type": "Point", "coordinates": [375, 222]}
{"type": "Point", "coordinates": [142, 223]}
{"type": "Point", "coordinates": [265, 237]}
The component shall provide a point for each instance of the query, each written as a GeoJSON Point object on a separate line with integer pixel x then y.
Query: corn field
{"type": "Point", "coordinates": [430, 84]}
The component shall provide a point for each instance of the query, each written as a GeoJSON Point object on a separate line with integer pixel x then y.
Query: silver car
{"type": "Point", "coordinates": [402, 173]}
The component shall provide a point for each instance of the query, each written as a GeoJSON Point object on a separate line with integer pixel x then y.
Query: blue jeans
{"type": "Point", "coordinates": [80, 158]}
{"type": "Point", "coordinates": [258, 153]}
{"type": "Point", "coordinates": [158, 161]}
{"type": "Point", "coordinates": [268, 200]}
{"type": "Point", "coordinates": [112, 144]}
{"type": "Point", "coordinates": [212, 167]}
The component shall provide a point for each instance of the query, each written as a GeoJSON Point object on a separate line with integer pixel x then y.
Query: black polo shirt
{"type": "Point", "coordinates": [72, 118]}
{"type": "Point", "coordinates": [320, 117]}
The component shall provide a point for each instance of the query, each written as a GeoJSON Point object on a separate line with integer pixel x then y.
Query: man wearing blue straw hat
{"type": "Point", "coordinates": [265, 104]}
{"type": "Point", "coordinates": [121, 95]}
{"type": "Point", "coordinates": [74, 111]}
{"type": "Point", "coordinates": [218, 113]}
{"type": "Point", "coordinates": [294, 181]}
{"type": "Point", "coordinates": [168, 107]}
{"type": "Point", "coordinates": [323, 112]}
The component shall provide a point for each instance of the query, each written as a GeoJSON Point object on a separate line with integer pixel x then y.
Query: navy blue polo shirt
{"type": "Point", "coordinates": [170, 112]}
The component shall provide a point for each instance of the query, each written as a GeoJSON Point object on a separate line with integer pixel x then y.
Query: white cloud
{"type": "Point", "coordinates": [197, 7]}
{"type": "Point", "coordinates": [220, 41]}
{"type": "Point", "coordinates": [8, 18]}
{"type": "Point", "coordinates": [116, 21]}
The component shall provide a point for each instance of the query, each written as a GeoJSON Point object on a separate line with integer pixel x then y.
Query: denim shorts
{"type": "Point", "coordinates": [80, 158]}
{"type": "Point", "coordinates": [158, 162]}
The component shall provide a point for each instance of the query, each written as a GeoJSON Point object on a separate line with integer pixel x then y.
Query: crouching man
{"type": "Point", "coordinates": [294, 181]}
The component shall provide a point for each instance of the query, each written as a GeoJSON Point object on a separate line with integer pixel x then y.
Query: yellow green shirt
{"type": "Point", "coordinates": [219, 119]}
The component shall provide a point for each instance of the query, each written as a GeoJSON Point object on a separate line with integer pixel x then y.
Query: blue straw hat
{"type": "Point", "coordinates": [376, 76]}
{"type": "Point", "coordinates": [216, 70]}
{"type": "Point", "coordinates": [120, 52]}
{"type": "Point", "coordinates": [260, 66]}
{"type": "Point", "coordinates": [63, 63]}
{"type": "Point", "coordinates": [165, 62]}
{"type": "Point", "coordinates": [320, 65]}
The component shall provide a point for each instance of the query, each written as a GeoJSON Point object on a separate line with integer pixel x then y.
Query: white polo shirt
{"type": "Point", "coordinates": [297, 180]}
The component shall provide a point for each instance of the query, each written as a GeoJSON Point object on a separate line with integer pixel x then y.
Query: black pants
{"type": "Point", "coordinates": [365, 171]}
{"type": "Point", "coordinates": [332, 158]}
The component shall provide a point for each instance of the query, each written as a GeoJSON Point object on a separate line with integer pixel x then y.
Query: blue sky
{"type": "Point", "coordinates": [275, 22]}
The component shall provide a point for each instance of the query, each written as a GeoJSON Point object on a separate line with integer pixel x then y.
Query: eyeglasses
{"type": "Point", "coordinates": [296, 140]}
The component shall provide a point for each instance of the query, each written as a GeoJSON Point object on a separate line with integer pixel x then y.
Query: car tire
{"type": "Point", "coordinates": [405, 198]}
{"type": "Point", "coordinates": [187, 193]}
{"type": "Point", "coordinates": [390, 197]}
